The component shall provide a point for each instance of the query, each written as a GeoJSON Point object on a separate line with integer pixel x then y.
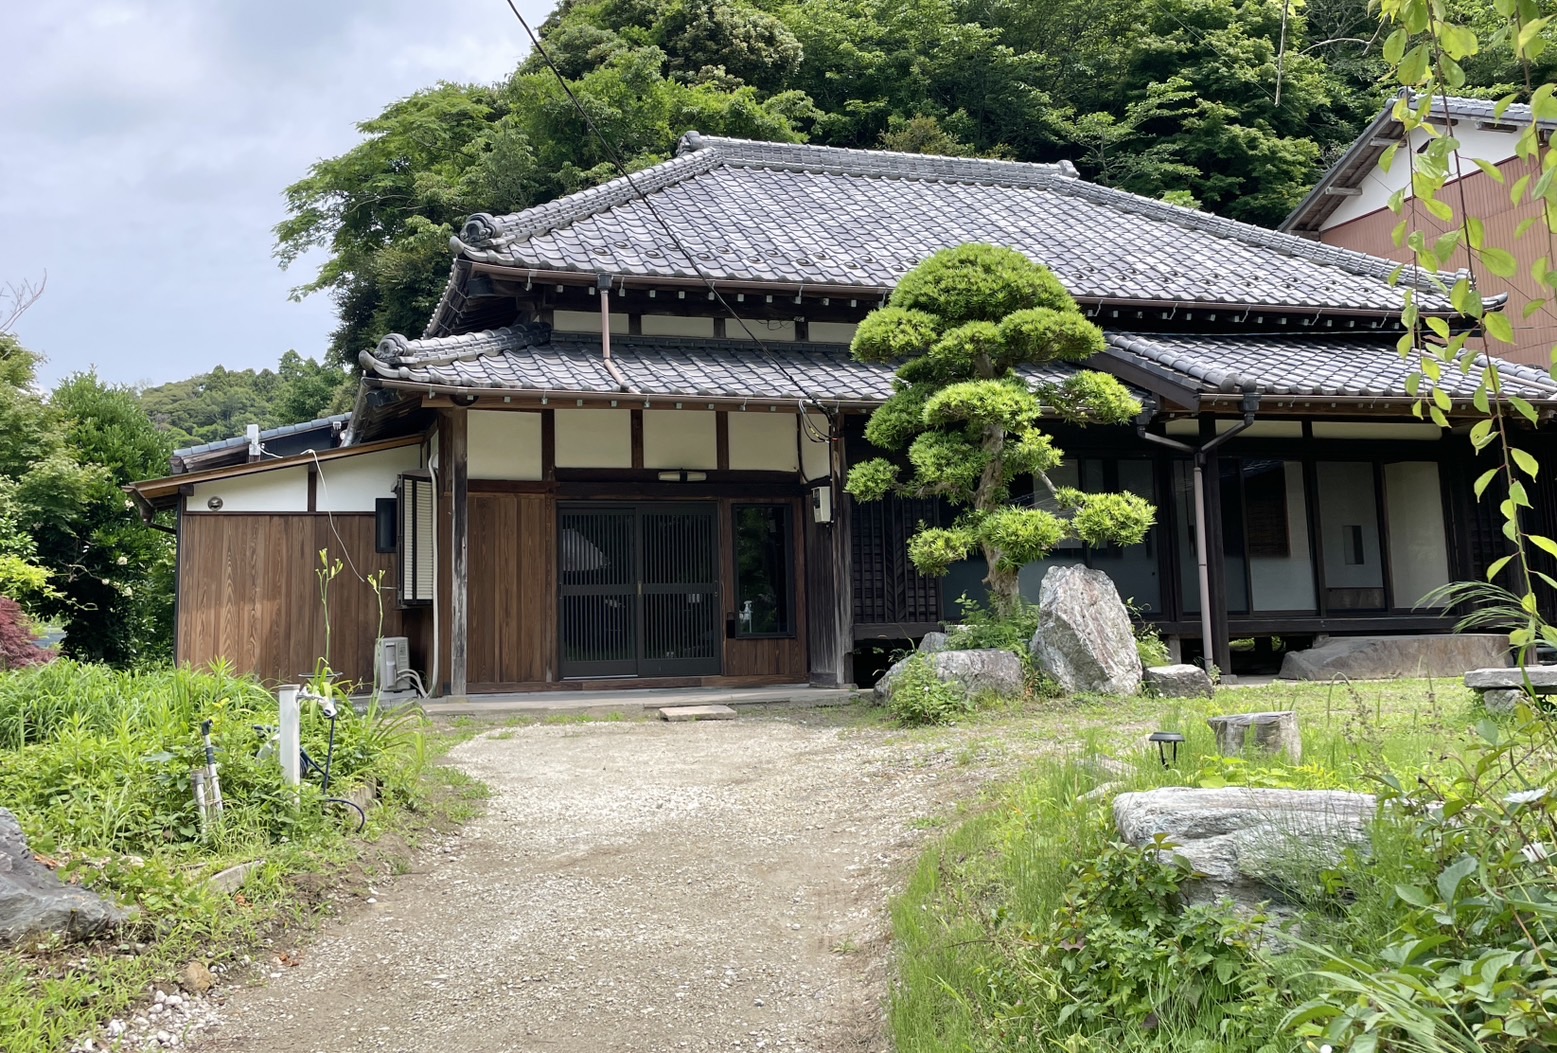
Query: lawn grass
{"type": "Point", "coordinates": [966, 978]}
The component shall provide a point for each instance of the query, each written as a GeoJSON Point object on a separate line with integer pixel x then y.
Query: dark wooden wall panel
{"type": "Point", "coordinates": [513, 588]}
{"type": "Point", "coordinates": [249, 593]}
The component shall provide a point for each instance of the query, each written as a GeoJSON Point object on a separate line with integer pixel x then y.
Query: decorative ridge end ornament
{"type": "Point", "coordinates": [480, 231]}
{"type": "Point", "coordinates": [691, 142]}
{"type": "Point", "coordinates": [966, 425]}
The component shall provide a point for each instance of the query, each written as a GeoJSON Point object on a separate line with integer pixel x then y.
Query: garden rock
{"type": "Point", "coordinates": [1249, 845]}
{"type": "Point", "coordinates": [1387, 657]}
{"type": "Point", "coordinates": [933, 642]}
{"type": "Point", "coordinates": [1178, 681]}
{"type": "Point", "coordinates": [1084, 638]}
{"type": "Point", "coordinates": [1268, 733]}
{"type": "Point", "coordinates": [983, 672]}
{"type": "Point", "coordinates": [33, 900]}
{"type": "Point", "coordinates": [1502, 700]}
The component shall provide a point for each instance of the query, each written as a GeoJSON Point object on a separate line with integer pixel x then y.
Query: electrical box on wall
{"type": "Point", "coordinates": [822, 504]}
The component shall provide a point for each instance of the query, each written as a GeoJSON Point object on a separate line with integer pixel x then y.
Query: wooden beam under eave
{"type": "Point", "coordinates": [459, 592]}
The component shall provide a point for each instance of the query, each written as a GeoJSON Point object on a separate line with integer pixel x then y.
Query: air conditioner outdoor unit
{"type": "Point", "coordinates": [392, 659]}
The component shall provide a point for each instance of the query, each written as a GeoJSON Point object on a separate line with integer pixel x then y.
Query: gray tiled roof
{"type": "Point", "coordinates": [1346, 367]}
{"type": "Point", "coordinates": [769, 212]}
{"type": "Point", "coordinates": [268, 433]}
{"type": "Point", "coordinates": [526, 358]}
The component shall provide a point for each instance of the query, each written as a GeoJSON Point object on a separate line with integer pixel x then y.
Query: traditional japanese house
{"type": "Point", "coordinates": [616, 455]}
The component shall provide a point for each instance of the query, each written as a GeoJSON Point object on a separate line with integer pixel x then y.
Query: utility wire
{"type": "Point", "coordinates": [615, 158]}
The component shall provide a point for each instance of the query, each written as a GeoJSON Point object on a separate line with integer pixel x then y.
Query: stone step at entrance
{"type": "Point", "coordinates": [679, 713]}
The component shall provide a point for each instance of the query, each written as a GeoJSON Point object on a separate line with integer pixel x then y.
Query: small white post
{"type": "Point", "coordinates": [290, 740]}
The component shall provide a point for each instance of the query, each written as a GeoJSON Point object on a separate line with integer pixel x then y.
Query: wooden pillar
{"type": "Point", "coordinates": [459, 590]}
{"type": "Point", "coordinates": [1216, 564]}
{"type": "Point", "coordinates": [830, 580]}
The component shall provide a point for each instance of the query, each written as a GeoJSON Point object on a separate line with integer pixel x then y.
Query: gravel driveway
{"type": "Point", "coordinates": [632, 886]}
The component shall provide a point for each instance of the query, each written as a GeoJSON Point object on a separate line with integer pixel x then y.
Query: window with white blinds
{"type": "Point", "coordinates": [417, 544]}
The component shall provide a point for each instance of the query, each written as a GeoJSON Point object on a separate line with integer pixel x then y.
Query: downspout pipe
{"type": "Point", "coordinates": [603, 283]}
{"type": "Point", "coordinates": [1201, 454]}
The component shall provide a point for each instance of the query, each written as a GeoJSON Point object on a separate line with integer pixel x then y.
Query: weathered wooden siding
{"type": "Point", "coordinates": [249, 593]}
{"type": "Point", "coordinates": [1488, 199]}
{"type": "Point", "coordinates": [513, 588]}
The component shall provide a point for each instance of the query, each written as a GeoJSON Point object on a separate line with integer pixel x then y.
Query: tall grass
{"type": "Point", "coordinates": [969, 923]}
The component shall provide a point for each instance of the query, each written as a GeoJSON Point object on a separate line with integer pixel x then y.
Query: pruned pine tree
{"type": "Point", "coordinates": [960, 325]}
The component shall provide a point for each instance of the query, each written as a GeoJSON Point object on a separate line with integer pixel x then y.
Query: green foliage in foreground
{"type": "Point", "coordinates": [95, 764]}
{"type": "Point", "coordinates": [1027, 929]}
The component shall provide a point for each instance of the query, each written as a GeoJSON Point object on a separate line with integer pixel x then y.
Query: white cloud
{"type": "Point", "coordinates": [145, 145]}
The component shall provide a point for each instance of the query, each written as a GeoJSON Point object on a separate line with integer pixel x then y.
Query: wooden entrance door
{"type": "Point", "coordinates": [638, 589]}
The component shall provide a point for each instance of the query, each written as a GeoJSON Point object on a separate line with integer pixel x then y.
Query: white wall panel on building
{"type": "Point", "coordinates": [680, 439]}
{"type": "Point", "coordinates": [766, 331]}
{"type": "Point", "coordinates": [1286, 583]}
{"type": "Point", "coordinates": [763, 442]}
{"type": "Point", "coordinates": [815, 457]}
{"type": "Point", "coordinates": [594, 438]}
{"type": "Point", "coordinates": [279, 490]}
{"type": "Point", "coordinates": [352, 484]}
{"type": "Point", "coordinates": [832, 332]}
{"type": "Point", "coordinates": [1378, 185]}
{"type": "Point", "coordinates": [504, 444]}
{"type": "Point", "coordinates": [676, 325]}
{"type": "Point", "coordinates": [587, 321]}
{"type": "Point", "coordinates": [1362, 430]}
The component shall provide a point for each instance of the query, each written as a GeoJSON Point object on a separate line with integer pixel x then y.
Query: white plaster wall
{"type": "Point", "coordinates": [815, 457]}
{"type": "Point", "coordinates": [594, 438]}
{"type": "Point", "coordinates": [352, 484]}
{"type": "Point", "coordinates": [764, 442]}
{"type": "Point", "coordinates": [1418, 549]}
{"type": "Point", "coordinates": [1346, 498]}
{"type": "Point", "coordinates": [680, 439]}
{"type": "Point", "coordinates": [782, 329]}
{"type": "Point", "coordinates": [278, 490]}
{"type": "Point", "coordinates": [1424, 431]}
{"type": "Point", "coordinates": [676, 325]}
{"type": "Point", "coordinates": [587, 321]}
{"type": "Point", "coordinates": [832, 332]}
{"type": "Point", "coordinates": [1287, 584]}
{"type": "Point", "coordinates": [1379, 185]}
{"type": "Point", "coordinates": [504, 444]}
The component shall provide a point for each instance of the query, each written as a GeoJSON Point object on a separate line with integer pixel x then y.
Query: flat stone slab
{"type": "Point", "coordinates": [1249, 844]}
{"type": "Point", "coordinates": [1542, 677]}
{"type": "Point", "coordinates": [1389, 657]}
{"type": "Point", "coordinates": [678, 713]}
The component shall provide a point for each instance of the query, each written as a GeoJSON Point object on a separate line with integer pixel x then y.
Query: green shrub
{"type": "Point", "coordinates": [921, 697]}
{"type": "Point", "coordinates": [1151, 648]}
{"type": "Point", "coordinates": [982, 627]}
{"type": "Point", "coordinates": [1123, 955]}
{"type": "Point", "coordinates": [99, 760]}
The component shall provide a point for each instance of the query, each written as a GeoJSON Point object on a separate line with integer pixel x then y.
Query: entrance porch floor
{"type": "Point", "coordinates": [541, 705]}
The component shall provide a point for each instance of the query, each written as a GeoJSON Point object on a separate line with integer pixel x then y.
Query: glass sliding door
{"type": "Point", "coordinates": [1266, 552]}
{"type": "Point", "coordinates": [1275, 511]}
{"type": "Point", "coordinates": [1418, 541]}
{"type": "Point", "coordinates": [1349, 536]}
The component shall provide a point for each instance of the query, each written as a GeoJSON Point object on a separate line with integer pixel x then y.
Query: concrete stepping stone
{"type": "Point", "coordinates": [676, 713]}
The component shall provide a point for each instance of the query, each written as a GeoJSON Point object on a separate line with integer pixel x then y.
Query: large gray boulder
{"type": "Point", "coordinates": [1389, 657]}
{"type": "Point", "coordinates": [33, 900]}
{"type": "Point", "coordinates": [982, 672]}
{"type": "Point", "coordinates": [1084, 638]}
{"type": "Point", "coordinates": [1250, 845]}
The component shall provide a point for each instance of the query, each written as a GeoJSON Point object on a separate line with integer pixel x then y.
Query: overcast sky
{"type": "Point", "coordinates": [145, 144]}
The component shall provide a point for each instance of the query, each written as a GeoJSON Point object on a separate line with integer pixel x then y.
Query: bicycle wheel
{"type": "Point", "coordinates": [350, 813]}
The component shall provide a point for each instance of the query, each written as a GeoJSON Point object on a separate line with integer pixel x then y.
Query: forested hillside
{"type": "Point", "coordinates": [221, 403]}
{"type": "Point", "coordinates": [1220, 103]}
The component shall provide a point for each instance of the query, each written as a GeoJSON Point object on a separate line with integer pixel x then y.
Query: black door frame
{"type": "Point", "coordinates": [650, 600]}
